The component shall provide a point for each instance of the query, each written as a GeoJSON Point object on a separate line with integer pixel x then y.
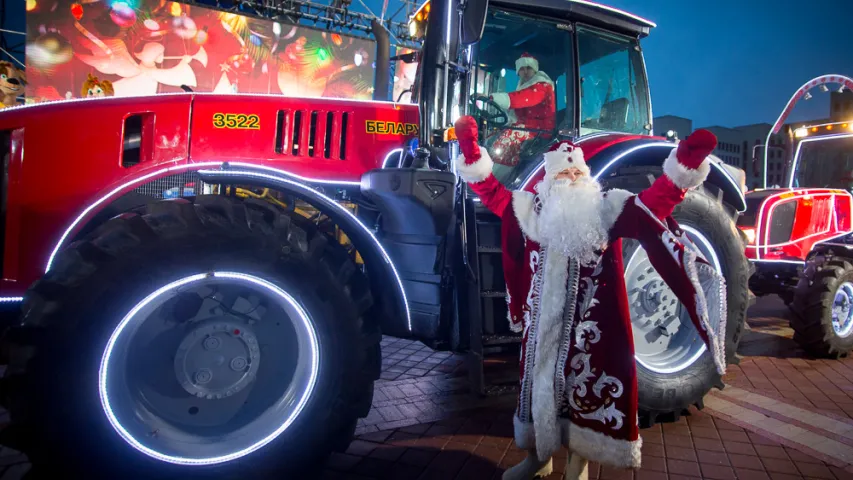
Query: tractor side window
{"type": "Point", "coordinates": [614, 93]}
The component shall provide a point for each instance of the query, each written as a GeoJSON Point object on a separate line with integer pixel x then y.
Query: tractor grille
{"type": "Point", "coordinates": [312, 133]}
{"type": "Point", "coordinates": [782, 222]}
{"type": "Point", "coordinates": [186, 184]}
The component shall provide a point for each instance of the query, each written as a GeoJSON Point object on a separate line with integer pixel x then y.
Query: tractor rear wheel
{"type": "Point", "coordinates": [208, 338]}
{"type": "Point", "coordinates": [823, 307]}
{"type": "Point", "coordinates": [674, 368]}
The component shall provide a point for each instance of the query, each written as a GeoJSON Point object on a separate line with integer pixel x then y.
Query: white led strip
{"type": "Point", "coordinates": [399, 152]}
{"type": "Point", "coordinates": [766, 236]}
{"type": "Point", "coordinates": [800, 145]}
{"type": "Point", "coordinates": [331, 203]}
{"type": "Point", "coordinates": [821, 80]}
{"type": "Point", "coordinates": [615, 10]}
{"type": "Point", "coordinates": [164, 171]}
{"type": "Point", "coordinates": [105, 360]}
{"type": "Point", "coordinates": [632, 150]}
{"type": "Point", "coordinates": [202, 94]}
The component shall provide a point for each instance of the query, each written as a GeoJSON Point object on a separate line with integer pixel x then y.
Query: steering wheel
{"type": "Point", "coordinates": [499, 119]}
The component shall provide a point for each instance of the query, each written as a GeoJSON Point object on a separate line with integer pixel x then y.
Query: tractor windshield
{"type": "Point", "coordinates": [614, 92]}
{"type": "Point", "coordinates": [523, 87]}
{"type": "Point", "coordinates": [824, 162]}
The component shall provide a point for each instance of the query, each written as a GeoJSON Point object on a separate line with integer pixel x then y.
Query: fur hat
{"type": "Point", "coordinates": [527, 60]}
{"type": "Point", "coordinates": [564, 155]}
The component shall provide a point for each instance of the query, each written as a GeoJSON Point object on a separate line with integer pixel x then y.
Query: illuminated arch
{"type": "Point", "coordinates": [846, 82]}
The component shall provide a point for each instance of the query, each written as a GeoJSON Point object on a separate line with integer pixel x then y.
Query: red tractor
{"type": "Point", "coordinates": [238, 325]}
{"type": "Point", "coordinates": [799, 235]}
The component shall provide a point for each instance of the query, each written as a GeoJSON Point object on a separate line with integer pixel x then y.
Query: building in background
{"type": "Point", "coordinates": [841, 106]}
{"type": "Point", "coordinates": [729, 145]}
{"type": "Point", "coordinates": [753, 138]}
{"type": "Point", "coordinates": [741, 147]}
{"type": "Point", "coordinates": [679, 125]}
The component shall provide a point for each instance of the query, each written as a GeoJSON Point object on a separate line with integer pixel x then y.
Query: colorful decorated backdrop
{"type": "Point", "coordinates": [404, 77]}
{"type": "Point", "coordinates": [145, 47]}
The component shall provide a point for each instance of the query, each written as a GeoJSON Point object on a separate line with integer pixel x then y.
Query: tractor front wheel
{"type": "Point", "coordinates": [212, 338]}
{"type": "Point", "coordinates": [823, 307]}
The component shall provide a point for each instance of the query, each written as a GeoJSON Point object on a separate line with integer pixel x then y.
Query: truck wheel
{"type": "Point", "coordinates": [674, 368]}
{"type": "Point", "coordinates": [823, 307]}
{"type": "Point", "coordinates": [212, 338]}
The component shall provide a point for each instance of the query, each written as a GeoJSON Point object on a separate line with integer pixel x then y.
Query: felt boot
{"type": "Point", "coordinates": [529, 468]}
{"type": "Point", "coordinates": [577, 468]}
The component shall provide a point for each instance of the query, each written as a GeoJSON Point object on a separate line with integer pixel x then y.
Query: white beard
{"type": "Point", "coordinates": [571, 218]}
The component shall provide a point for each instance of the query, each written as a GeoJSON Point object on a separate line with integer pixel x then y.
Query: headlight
{"type": "Point", "coordinates": [413, 28]}
{"type": "Point", "coordinates": [801, 132]}
{"type": "Point", "coordinates": [749, 232]}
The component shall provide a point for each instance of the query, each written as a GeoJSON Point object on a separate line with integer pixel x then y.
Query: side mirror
{"type": "Point", "coordinates": [473, 21]}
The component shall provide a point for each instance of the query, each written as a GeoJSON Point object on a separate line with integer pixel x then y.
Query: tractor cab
{"type": "Point", "coordinates": [539, 71]}
{"type": "Point", "coordinates": [823, 156]}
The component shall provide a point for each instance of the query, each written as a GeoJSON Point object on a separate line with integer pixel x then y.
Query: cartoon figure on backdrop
{"type": "Point", "coordinates": [143, 78]}
{"type": "Point", "coordinates": [94, 88]}
{"type": "Point", "coordinates": [12, 83]}
{"type": "Point", "coordinates": [562, 257]}
{"type": "Point", "coordinates": [531, 105]}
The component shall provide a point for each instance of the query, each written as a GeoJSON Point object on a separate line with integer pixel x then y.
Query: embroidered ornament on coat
{"type": "Point", "coordinates": [563, 267]}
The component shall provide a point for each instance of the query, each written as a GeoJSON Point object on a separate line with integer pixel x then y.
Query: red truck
{"type": "Point", "coordinates": [203, 280]}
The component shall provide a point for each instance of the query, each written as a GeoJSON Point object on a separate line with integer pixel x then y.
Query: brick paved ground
{"type": "Point", "coordinates": [782, 417]}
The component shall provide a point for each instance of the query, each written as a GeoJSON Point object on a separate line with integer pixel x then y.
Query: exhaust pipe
{"type": "Point", "coordinates": [382, 77]}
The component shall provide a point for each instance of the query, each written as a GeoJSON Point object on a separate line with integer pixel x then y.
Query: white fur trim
{"type": "Point", "coordinates": [525, 439]}
{"type": "Point", "coordinates": [553, 300]}
{"type": "Point", "coordinates": [682, 176]}
{"type": "Point", "coordinates": [523, 206]}
{"type": "Point", "coordinates": [527, 62]}
{"type": "Point", "coordinates": [477, 171]}
{"type": "Point", "coordinates": [710, 291]}
{"type": "Point", "coordinates": [611, 207]}
{"type": "Point", "coordinates": [539, 77]}
{"type": "Point", "coordinates": [710, 300]}
{"type": "Point", "coordinates": [589, 444]}
{"type": "Point", "coordinates": [561, 159]}
{"type": "Point", "coordinates": [523, 203]}
{"type": "Point", "coordinates": [601, 448]}
{"type": "Point", "coordinates": [502, 99]}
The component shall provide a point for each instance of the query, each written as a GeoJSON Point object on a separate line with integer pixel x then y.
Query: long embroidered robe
{"type": "Point", "coordinates": [578, 373]}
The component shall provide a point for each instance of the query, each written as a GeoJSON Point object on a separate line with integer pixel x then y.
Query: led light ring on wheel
{"type": "Point", "coordinates": [843, 327]}
{"type": "Point", "coordinates": [711, 255]}
{"type": "Point", "coordinates": [127, 323]}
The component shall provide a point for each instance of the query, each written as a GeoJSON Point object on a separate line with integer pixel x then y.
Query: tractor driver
{"type": "Point", "coordinates": [531, 106]}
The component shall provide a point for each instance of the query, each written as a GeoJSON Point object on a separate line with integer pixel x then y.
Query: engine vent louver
{"type": "Point", "coordinates": [312, 133]}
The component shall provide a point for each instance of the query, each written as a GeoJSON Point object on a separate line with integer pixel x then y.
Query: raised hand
{"type": "Point", "coordinates": [466, 134]}
{"type": "Point", "coordinates": [693, 149]}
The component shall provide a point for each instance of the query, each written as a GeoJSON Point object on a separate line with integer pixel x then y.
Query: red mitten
{"type": "Point", "coordinates": [466, 134]}
{"type": "Point", "coordinates": [693, 149]}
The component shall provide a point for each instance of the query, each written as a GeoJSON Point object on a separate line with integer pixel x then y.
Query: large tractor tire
{"type": "Point", "coordinates": [674, 369]}
{"type": "Point", "coordinates": [211, 338]}
{"type": "Point", "coordinates": [823, 307]}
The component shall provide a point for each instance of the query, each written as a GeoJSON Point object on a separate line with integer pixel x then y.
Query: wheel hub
{"type": "Point", "coordinates": [842, 310]}
{"type": "Point", "coordinates": [655, 301]}
{"type": "Point", "coordinates": [217, 359]}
